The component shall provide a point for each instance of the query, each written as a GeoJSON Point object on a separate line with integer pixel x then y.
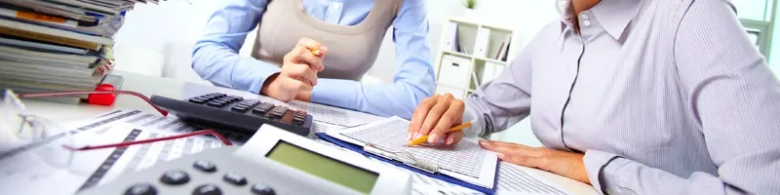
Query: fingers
{"type": "Point", "coordinates": [453, 138]}
{"type": "Point", "coordinates": [452, 116]}
{"type": "Point", "coordinates": [309, 43]}
{"type": "Point", "coordinates": [490, 145]}
{"type": "Point", "coordinates": [307, 46]}
{"type": "Point", "coordinates": [526, 161]}
{"type": "Point", "coordinates": [301, 55]}
{"type": "Point", "coordinates": [419, 115]}
{"type": "Point", "coordinates": [434, 115]}
{"type": "Point", "coordinates": [519, 154]}
{"type": "Point", "coordinates": [301, 72]}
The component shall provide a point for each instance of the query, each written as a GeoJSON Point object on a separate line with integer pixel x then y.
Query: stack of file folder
{"type": "Point", "coordinates": [58, 45]}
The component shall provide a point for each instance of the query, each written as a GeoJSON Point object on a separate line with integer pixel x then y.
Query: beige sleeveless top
{"type": "Point", "coordinates": [351, 49]}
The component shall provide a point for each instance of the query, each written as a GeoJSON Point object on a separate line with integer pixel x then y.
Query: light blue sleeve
{"type": "Point", "coordinates": [413, 81]}
{"type": "Point", "coordinates": [215, 57]}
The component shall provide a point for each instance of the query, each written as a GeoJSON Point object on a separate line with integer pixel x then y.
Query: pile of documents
{"type": "Point", "coordinates": [58, 45]}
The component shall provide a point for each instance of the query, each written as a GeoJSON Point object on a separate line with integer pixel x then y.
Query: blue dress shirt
{"type": "Point", "coordinates": [215, 56]}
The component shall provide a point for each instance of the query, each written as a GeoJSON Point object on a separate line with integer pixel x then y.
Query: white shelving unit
{"type": "Point", "coordinates": [460, 72]}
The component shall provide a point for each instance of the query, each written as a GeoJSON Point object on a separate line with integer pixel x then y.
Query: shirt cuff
{"type": "Point", "coordinates": [336, 92]}
{"type": "Point", "coordinates": [596, 165]}
{"type": "Point", "coordinates": [477, 128]}
{"type": "Point", "coordinates": [250, 74]}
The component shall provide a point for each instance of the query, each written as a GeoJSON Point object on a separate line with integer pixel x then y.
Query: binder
{"type": "Point", "coordinates": [451, 37]}
{"type": "Point", "coordinates": [482, 43]}
{"type": "Point", "coordinates": [421, 169]}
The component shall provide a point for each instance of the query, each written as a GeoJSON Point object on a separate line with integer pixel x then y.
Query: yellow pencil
{"type": "Point", "coordinates": [316, 52]}
{"type": "Point", "coordinates": [424, 138]}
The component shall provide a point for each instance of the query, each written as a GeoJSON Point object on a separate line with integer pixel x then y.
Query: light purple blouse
{"type": "Point", "coordinates": [662, 96]}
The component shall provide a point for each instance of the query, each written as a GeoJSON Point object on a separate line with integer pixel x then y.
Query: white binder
{"type": "Point", "coordinates": [450, 42]}
{"type": "Point", "coordinates": [481, 45]}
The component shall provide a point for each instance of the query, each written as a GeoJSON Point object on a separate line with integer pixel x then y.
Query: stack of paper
{"type": "Point", "coordinates": [58, 45]}
{"type": "Point", "coordinates": [465, 162]}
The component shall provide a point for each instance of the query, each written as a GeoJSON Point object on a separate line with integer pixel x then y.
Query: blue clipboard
{"type": "Point", "coordinates": [452, 180]}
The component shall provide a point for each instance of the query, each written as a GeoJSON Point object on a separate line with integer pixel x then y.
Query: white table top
{"type": "Point", "coordinates": [148, 85]}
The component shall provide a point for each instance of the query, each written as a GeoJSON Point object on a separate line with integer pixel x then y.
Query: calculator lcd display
{"type": "Point", "coordinates": [324, 167]}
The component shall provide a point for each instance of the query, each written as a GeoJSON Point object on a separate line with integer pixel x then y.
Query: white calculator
{"type": "Point", "coordinates": [273, 161]}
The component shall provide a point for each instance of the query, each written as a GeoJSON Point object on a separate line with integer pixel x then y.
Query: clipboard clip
{"type": "Point", "coordinates": [408, 160]}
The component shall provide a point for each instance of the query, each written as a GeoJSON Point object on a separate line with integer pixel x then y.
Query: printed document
{"type": "Point", "coordinates": [465, 161]}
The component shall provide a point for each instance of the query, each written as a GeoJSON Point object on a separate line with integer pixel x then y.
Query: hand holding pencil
{"type": "Point", "coordinates": [298, 74]}
{"type": "Point", "coordinates": [434, 118]}
{"type": "Point", "coordinates": [424, 138]}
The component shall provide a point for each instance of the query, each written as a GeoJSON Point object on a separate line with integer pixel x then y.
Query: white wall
{"type": "Point", "coordinates": [158, 39]}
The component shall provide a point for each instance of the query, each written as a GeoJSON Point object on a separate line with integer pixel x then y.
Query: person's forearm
{"type": "Point", "coordinates": [227, 69]}
{"type": "Point", "coordinates": [611, 174]}
{"type": "Point", "coordinates": [398, 99]}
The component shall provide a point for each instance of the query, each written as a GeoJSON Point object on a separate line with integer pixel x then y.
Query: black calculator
{"type": "Point", "coordinates": [234, 113]}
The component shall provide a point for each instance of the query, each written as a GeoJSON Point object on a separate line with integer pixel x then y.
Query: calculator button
{"type": "Point", "coordinates": [205, 166]}
{"type": "Point", "coordinates": [278, 111]}
{"type": "Point", "coordinates": [260, 189]}
{"type": "Point", "coordinates": [235, 179]}
{"type": "Point", "coordinates": [258, 111]}
{"type": "Point", "coordinates": [198, 100]}
{"type": "Point", "coordinates": [214, 104]}
{"type": "Point", "coordinates": [262, 109]}
{"type": "Point", "coordinates": [239, 109]}
{"type": "Point", "coordinates": [207, 189]}
{"type": "Point", "coordinates": [176, 177]}
{"type": "Point", "coordinates": [141, 189]}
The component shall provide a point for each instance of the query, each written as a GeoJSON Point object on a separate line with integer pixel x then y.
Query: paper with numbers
{"type": "Point", "coordinates": [466, 161]}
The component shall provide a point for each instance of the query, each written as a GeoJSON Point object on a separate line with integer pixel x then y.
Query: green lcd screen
{"type": "Point", "coordinates": [359, 179]}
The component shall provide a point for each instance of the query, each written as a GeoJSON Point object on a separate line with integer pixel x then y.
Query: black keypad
{"type": "Point", "coordinates": [207, 189]}
{"type": "Point", "coordinates": [234, 178]}
{"type": "Point", "coordinates": [141, 189]}
{"type": "Point", "coordinates": [260, 189]}
{"type": "Point", "coordinates": [205, 166]}
{"type": "Point", "coordinates": [175, 177]}
{"type": "Point", "coordinates": [242, 113]}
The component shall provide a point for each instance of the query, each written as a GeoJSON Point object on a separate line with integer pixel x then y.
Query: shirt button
{"type": "Point", "coordinates": [584, 16]}
{"type": "Point", "coordinates": [586, 23]}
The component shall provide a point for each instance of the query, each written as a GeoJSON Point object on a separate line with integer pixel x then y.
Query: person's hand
{"type": "Point", "coordinates": [567, 164]}
{"type": "Point", "coordinates": [434, 117]}
{"type": "Point", "coordinates": [299, 71]}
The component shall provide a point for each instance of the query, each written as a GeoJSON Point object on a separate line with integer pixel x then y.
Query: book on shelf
{"type": "Point", "coordinates": [504, 50]}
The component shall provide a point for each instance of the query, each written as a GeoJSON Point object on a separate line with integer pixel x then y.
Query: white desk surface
{"type": "Point", "coordinates": [149, 85]}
